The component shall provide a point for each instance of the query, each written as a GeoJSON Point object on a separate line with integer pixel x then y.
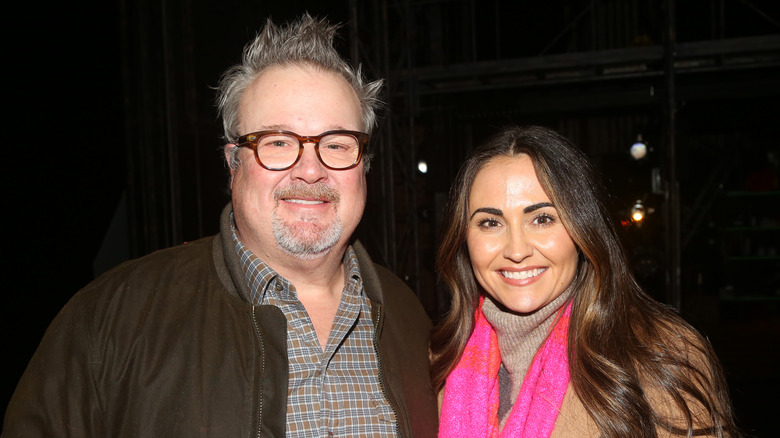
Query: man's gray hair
{"type": "Point", "coordinates": [307, 41]}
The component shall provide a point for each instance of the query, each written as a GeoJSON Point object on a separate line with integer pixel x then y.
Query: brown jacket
{"type": "Point", "coordinates": [163, 346]}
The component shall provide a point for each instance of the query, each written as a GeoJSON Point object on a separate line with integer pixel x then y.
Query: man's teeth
{"type": "Point", "coordinates": [522, 275]}
{"type": "Point", "coordinates": [304, 201]}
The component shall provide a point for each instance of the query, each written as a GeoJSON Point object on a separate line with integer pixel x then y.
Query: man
{"type": "Point", "coordinates": [276, 326]}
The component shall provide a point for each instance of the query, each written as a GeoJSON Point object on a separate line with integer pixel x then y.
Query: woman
{"type": "Point", "coordinates": [548, 333]}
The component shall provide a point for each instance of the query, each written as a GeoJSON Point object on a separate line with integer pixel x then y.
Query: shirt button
{"type": "Point", "coordinates": [278, 286]}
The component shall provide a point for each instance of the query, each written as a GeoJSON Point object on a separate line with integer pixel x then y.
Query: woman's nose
{"type": "Point", "coordinates": [517, 246]}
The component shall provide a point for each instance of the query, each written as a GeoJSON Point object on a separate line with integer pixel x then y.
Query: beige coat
{"type": "Point", "coordinates": [573, 420]}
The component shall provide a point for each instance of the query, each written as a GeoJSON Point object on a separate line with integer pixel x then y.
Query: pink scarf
{"type": "Point", "coordinates": [470, 405]}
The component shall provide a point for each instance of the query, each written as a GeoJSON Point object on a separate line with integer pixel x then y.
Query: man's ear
{"type": "Point", "coordinates": [230, 158]}
{"type": "Point", "coordinates": [229, 151]}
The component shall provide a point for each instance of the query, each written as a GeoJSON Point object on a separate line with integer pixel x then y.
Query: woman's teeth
{"type": "Point", "coordinates": [522, 275]}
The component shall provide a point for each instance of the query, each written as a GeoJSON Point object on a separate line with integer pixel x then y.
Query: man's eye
{"type": "Point", "coordinates": [277, 142]}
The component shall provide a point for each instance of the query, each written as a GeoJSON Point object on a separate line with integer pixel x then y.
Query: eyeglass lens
{"type": "Point", "coordinates": [281, 150]}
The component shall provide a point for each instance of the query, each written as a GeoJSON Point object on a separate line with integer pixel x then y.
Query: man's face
{"type": "Point", "coordinates": [306, 210]}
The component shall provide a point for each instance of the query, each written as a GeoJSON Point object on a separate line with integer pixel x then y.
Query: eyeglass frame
{"type": "Point", "coordinates": [245, 142]}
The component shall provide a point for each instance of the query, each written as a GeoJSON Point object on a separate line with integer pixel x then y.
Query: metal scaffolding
{"type": "Point", "coordinates": [600, 57]}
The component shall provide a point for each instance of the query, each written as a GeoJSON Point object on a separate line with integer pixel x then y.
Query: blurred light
{"type": "Point", "coordinates": [422, 166]}
{"type": "Point", "coordinates": [638, 212]}
{"type": "Point", "coordinates": [638, 149]}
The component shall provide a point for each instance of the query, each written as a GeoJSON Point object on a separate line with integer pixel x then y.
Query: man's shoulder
{"type": "Point", "coordinates": [391, 282]}
{"type": "Point", "coordinates": [398, 297]}
{"type": "Point", "coordinates": [401, 304]}
{"type": "Point", "coordinates": [182, 265]}
{"type": "Point", "coordinates": [185, 255]}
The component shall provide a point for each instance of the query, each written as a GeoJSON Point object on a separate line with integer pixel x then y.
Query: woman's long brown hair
{"type": "Point", "coordinates": [635, 364]}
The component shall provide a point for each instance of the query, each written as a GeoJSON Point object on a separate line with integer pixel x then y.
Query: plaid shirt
{"type": "Point", "coordinates": [335, 392]}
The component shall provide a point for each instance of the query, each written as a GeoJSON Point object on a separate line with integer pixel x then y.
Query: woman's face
{"type": "Point", "coordinates": [520, 251]}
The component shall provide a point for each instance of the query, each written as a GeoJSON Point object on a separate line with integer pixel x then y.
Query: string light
{"type": "Point", "coordinates": [638, 149]}
{"type": "Point", "coordinates": [638, 211]}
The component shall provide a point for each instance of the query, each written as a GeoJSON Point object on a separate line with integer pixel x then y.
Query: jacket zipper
{"type": "Point", "coordinates": [382, 382]}
{"type": "Point", "coordinates": [262, 372]}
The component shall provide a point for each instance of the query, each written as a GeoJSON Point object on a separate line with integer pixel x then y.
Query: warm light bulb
{"type": "Point", "coordinates": [638, 211]}
{"type": "Point", "coordinates": [638, 150]}
{"type": "Point", "coordinates": [422, 166]}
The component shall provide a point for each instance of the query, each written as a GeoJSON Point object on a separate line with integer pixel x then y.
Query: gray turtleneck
{"type": "Point", "coordinates": [519, 337]}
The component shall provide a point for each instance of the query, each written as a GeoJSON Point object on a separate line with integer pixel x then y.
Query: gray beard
{"type": "Point", "coordinates": [306, 244]}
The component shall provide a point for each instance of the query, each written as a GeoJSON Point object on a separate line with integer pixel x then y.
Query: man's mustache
{"type": "Point", "coordinates": [319, 191]}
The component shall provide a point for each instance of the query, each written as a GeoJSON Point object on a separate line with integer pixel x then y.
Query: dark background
{"type": "Point", "coordinates": [110, 107]}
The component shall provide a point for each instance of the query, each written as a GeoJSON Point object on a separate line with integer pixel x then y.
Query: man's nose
{"type": "Point", "coordinates": [309, 168]}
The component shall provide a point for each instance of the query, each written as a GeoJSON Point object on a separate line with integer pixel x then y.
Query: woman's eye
{"type": "Point", "coordinates": [488, 223]}
{"type": "Point", "coordinates": [543, 219]}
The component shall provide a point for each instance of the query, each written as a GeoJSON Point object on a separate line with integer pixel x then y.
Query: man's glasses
{"type": "Point", "coordinates": [280, 150]}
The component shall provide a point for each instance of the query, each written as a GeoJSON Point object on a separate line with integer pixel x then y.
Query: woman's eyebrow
{"type": "Point", "coordinates": [488, 210]}
{"type": "Point", "coordinates": [537, 206]}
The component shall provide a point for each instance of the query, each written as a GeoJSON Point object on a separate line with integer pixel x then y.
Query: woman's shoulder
{"type": "Point", "coordinates": [573, 419]}
{"type": "Point", "coordinates": [670, 372]}
{"type": "Point", "coordinates": [683, 382]}
{"type": "Point", "coordinates": [676, 343]}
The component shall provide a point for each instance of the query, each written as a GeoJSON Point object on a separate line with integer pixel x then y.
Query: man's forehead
{"type": "Point", "coordinates": [284, 97]}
